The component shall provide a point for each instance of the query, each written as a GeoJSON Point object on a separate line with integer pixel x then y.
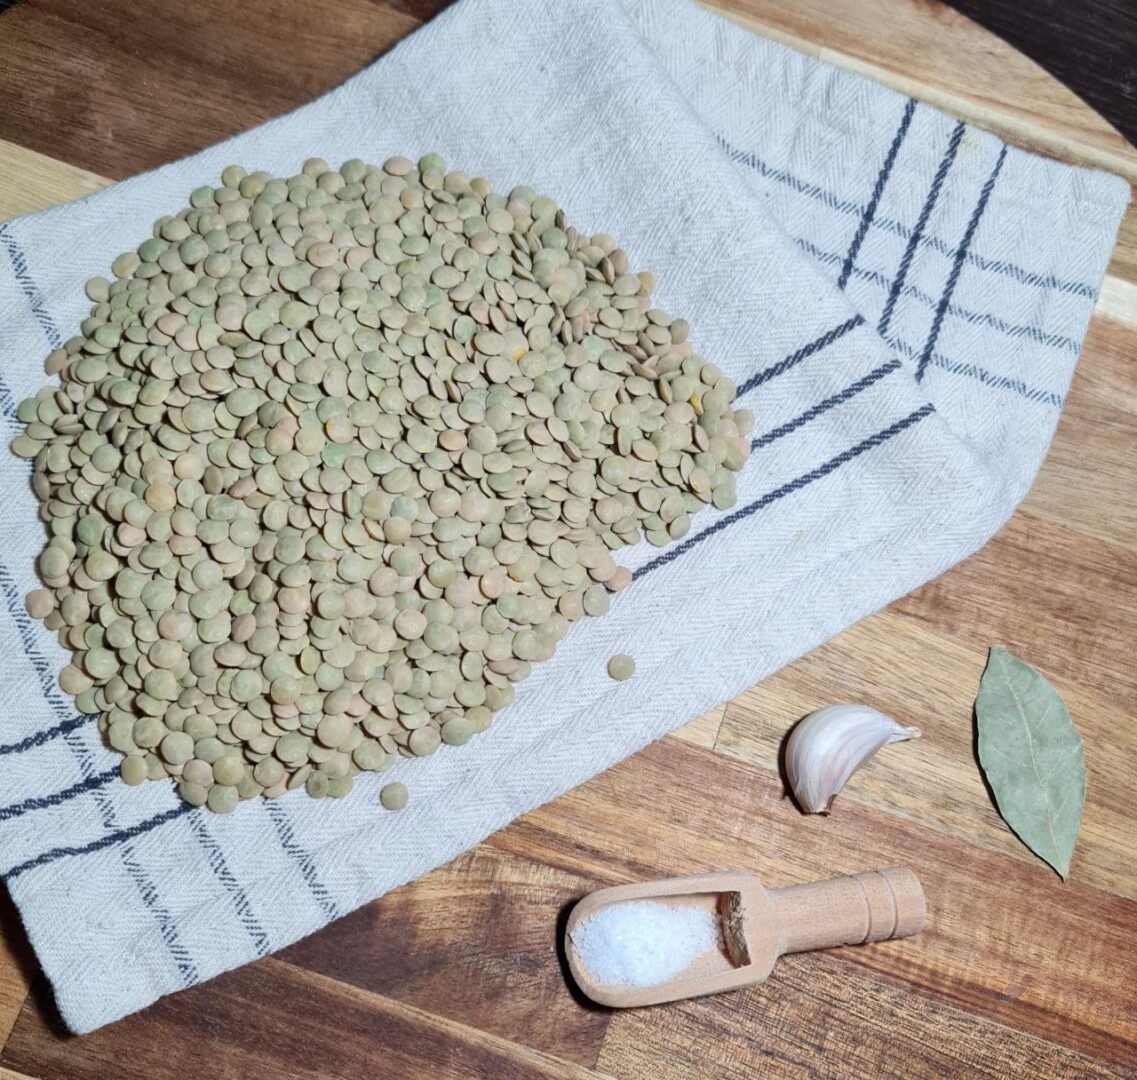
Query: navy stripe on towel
{"type": "Point", "coordinates": [982, 375]}
{"type": "Point", "coordinates": [302, 859]}
{"type": "Point", "coordinates": [878, 190]}
{"type": "Point", "coordinates": [844, 206]}
{"type": "Point", "coordinates": [117, 837]}
{"type": "Point", "coordinates": [824, 406]}
{"type": "Point", "coordinates": [804, 187]}
{"type": "Point", "coordinates": [43, 801]}
{"type": "Point", "coordinates": [787, 489]}
{"type": "Point", "coordinates": [977, 318]}
{"type": "Point", "coordinates": [241, 903]}
{"type": "Point", "coordinates": [40, 737]}
{"type": "Point", "coordinates": [28, 287]}
{"type": "Point", "coordinates": [957, 265]}
{"type": "Point", "coordinates": [921, 224]}
{"type": "Point", "coordinates": [815, 346]}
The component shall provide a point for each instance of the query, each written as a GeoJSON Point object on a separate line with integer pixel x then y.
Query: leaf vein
{"type": "Point", "coordinates": [1019, 708]}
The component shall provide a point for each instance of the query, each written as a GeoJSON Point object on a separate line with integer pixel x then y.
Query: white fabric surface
{"type": "Point", "coordinates": [906, 396]}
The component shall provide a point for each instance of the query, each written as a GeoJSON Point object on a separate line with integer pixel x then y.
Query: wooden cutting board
{"type": "Point", "coordinates": [458, 974]}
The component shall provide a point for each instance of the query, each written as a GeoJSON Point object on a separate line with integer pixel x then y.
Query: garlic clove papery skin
{"type": "Point", "coordinates": [829, 745]}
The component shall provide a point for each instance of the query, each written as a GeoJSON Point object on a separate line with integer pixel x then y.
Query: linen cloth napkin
{"type": "Point", "coordinates": [900, 298]}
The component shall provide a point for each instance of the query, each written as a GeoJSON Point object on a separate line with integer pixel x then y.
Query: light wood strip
{"type": "Point", "coordinates": [705, 730]}
{"type": "Point", "coordinates": [1118, 301]}
{"type": "Point", "coordinates": [31, 181]}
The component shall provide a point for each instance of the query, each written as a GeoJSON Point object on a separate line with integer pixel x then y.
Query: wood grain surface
{"type": "Point", "coordinates": [458, 974]}
{"type": "Point", "coordinates": [1090, 46]}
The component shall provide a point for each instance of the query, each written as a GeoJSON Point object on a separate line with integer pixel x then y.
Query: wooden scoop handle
{"type": "Point", "coordinates": [876, 906]}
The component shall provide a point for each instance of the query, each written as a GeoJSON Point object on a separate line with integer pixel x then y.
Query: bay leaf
{"type": "Point", "coordinates": [1031, 754]}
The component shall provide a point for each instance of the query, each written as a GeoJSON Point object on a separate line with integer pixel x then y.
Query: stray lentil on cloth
{"type": "Point", "coordinates": [336, 459]}
{"type": "Point", "coordinates": [621, 667]}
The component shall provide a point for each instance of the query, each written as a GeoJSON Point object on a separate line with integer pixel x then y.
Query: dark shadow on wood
{"type": "Point", "coordinates": [40, 995]}
{"type": "Point", "coordinates": [978, 764]}
{"type": "Point", "coordinates": [1091, 46]}
{"type": "Point", "coordinates": [42, 999]}
{"type": "Point", "coordinates": [15, 936]}
{"type": "Point", "coordinates": [578, 995]}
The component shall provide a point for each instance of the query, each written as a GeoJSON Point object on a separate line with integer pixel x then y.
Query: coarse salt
{"type": "Point", "coordinates": [643, 943]}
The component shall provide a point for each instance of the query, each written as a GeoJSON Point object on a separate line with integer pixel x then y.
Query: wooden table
{"type": "Point", "coordinates": [1090, 46]}
{"type": "Point", "coordinates": [457, 974]}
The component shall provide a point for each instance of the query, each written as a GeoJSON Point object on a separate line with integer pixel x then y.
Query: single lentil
{"type": "Point", "coordinates": [621, 667]}
{"type": "Point", "coordinates": [393, 796]}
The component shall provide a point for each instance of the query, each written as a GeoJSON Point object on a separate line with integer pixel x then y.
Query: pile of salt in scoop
{"type": "Point", "coordinates": [335, 459]}
{"type": "Point", "coordinates": [643, 942]}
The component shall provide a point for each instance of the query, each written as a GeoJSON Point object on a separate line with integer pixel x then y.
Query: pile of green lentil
{"type": "Point", "coordinates": [336, 459]}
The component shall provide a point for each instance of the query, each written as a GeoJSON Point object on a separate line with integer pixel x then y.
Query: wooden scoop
{"type": "Point", "coordinates": [758, 926]}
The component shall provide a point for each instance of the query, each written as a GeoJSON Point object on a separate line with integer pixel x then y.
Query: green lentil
{"type": "Point", "coordinates": [621, 667]}
{"type": "Point", "coordinates": [346, 455]}
{"type": "Point", "coordinates": [393, 796]}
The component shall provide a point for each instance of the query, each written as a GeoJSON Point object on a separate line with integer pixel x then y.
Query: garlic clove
{"type": "Point", "coordinates": [829, 745]}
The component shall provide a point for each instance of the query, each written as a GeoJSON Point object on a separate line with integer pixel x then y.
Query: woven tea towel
{"type": "Point", "coordinates": [899, 297]}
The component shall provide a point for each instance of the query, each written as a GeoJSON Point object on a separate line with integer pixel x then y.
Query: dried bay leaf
{"type": "Point", "coordinates": [1032, 757]}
